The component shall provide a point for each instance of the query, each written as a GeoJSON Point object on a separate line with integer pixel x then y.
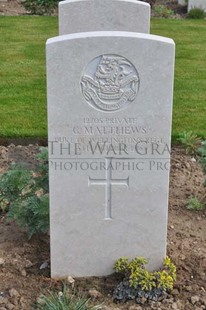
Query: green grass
{"type": "Point", "coordinates": [189, 112]}
{"type": "Point", "coordinates": [23, 74]}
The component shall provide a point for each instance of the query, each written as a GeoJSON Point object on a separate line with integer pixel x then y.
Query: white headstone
{"type": "Point", "coordinates": [102, 15]}
{"type": "Point", "coordinates": [201, 4]}
{"type": "Point", "coordinates": [109, 121]}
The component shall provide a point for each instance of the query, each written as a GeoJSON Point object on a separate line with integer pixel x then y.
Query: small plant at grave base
{"type": "Point", "coordinates": [64, 300]}
{"type": "Point", "coordinates": [196, 13]}
{"type": "Point", "coordinates": [162, 11]}
{"type": "Point", "coordinates": [190, 141]}
{"type": "Point", "coordinates": [139, 283]}
{"type": "Point", "coordinates": [121, 265]}
{"type": "Point", "coordinates": [24, 194]}
{"type": "Point", "coordinates": [195, 204]}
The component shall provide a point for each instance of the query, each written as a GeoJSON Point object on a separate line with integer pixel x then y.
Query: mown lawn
{"type": "Point", "coordinates": [23, 76]}
{"type": "Point", "coordinates": [189, 112]}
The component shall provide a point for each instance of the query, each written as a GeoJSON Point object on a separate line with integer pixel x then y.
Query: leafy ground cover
{"type": "Point", "coordinates": [23, 74]}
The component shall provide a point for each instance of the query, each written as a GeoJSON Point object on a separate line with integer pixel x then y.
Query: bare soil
{"type": "Point", "coordinates": [22, 281]}
{"type": "Point", "coordinates": [11, 8]}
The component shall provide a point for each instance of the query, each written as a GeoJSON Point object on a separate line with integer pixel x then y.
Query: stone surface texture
{"type": "Point", "coordinates": [103, 15]}
{"type": "Point", "coordinates": [109, 169]}
{"type": "Point", "coordinates": [197, 4]}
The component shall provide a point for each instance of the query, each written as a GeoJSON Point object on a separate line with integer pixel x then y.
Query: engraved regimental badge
{"type": "Point", "coordinates": [110, 83]}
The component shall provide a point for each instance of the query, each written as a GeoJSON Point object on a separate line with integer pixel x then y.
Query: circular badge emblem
{"type": "Point", "coordinates": [110, 83]}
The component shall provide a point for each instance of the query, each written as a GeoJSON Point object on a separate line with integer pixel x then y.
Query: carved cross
{"type": "Point", "coordinates": [108, 182]}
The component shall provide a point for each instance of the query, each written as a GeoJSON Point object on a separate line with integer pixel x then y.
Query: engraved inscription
{"type": "Point", "coordinates": [109, 83]}
{"type": "Point", "coordinates": [108, 182]}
